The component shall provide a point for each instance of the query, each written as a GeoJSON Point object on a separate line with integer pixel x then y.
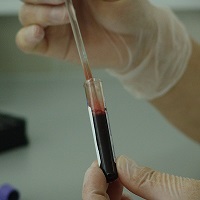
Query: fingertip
{"type": "Point", "coordinates": [94, 169]}
{"type": "Point", "coordinates": [95, 164]}
{"type": "Point", "coordinates": [125, 163]}
{"type": "Point", "coordinates": [33, 34]}
{"type": "Point", "coordinates": [94, 182]}
{"type": "Point", "coordinates": [29, 37]}
{"type": "Point", "coordinates": [121, 157]}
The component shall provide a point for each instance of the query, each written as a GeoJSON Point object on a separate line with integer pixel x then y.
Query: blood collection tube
{"type": "Point", "coordinates": [101, 128]}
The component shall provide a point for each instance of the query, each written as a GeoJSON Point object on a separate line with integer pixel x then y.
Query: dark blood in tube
{"type": "Point", "coordinates": [104, 144]}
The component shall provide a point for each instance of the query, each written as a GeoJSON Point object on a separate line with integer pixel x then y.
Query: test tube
{"type": "Point", "coordinates": [101, 128]}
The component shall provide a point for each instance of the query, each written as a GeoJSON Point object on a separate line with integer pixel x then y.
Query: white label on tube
{"type": "Point", "coordinates": [94, 135]}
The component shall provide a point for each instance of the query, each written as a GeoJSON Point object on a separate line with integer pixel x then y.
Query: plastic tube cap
{"type": "Point", "coordinates": [8, 192]}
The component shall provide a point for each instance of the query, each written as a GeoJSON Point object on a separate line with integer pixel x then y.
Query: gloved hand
{"type": "Point", "coordinates": [145, 46]}
{"type": "Point", "coordinates": [142, 181]}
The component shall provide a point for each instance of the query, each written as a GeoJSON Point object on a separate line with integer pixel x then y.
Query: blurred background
{"type": "Point", "coordinates": [50, 95]}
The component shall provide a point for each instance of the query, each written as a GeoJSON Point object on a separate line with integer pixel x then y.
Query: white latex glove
{"type": "Point", "coordinates": [146, 47]}
{"type": "Point", "coordinates": [159, 55]}
{"type": "Point", "coordinates": [142, 181]}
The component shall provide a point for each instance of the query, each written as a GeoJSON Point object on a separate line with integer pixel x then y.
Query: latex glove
{"type": "Point", "coordinates": [142, 181]}
{"type": "Point", "coordinates": [146, 47]}
{"type": "Point", "coordinates": [95, 186]}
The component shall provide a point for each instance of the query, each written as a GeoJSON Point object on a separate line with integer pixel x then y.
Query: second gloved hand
{"type": "Point", "coordinates": [142, 181]}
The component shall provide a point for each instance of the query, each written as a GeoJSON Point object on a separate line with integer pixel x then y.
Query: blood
{"type": "Point", "coordinates": [87, 71]}
{"type": "Point", "coordinates": [104, 144]}
{"type": "Point", "coordinates": [96, 102]}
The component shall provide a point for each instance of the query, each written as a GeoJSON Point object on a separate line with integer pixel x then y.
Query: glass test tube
{"type": "Point", "coordinates": [101, 128]}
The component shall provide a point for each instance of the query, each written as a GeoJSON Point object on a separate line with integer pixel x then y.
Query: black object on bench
{"type": "Point", "coordinates": [12, 132]}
